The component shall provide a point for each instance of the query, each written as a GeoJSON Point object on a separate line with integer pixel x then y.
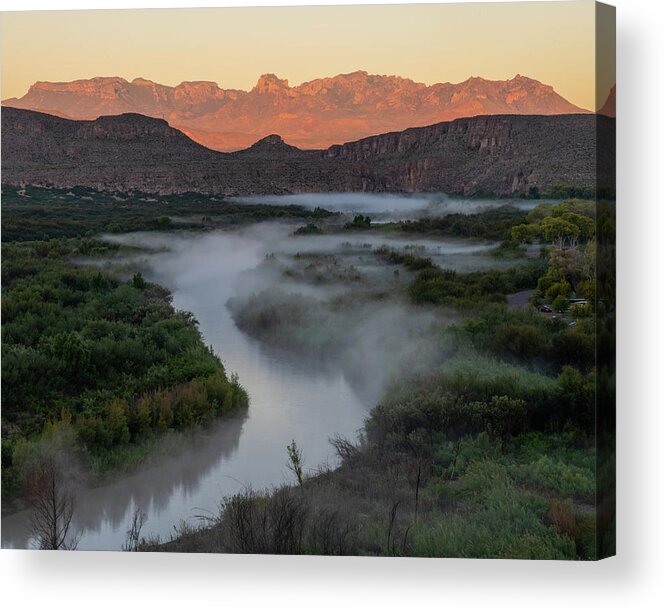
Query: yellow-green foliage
{"type": "Point", "coordinates": [115, 363]}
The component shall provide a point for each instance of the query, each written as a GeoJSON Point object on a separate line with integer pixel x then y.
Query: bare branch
{"type": "Point", "coordinates": [52, 501]}
{"type": "Point", "coordinates": [133, 540]}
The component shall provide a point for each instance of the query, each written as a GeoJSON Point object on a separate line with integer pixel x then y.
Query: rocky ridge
{"type": "Point", "coordinates": [313, 115]}
{"type": "Point", "coordinates": [500, 154]}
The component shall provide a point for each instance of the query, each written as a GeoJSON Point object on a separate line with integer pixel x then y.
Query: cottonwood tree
{"type": "Point", "coordinates": [558, 230]}
{"type": "Point", "coordinates": [525, 233]}
{"type": "Point", "coordinates": [52, 501]}
{"type": "Point", "coordinates": [585, 225]}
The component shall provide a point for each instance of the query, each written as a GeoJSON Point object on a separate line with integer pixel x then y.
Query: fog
{"type": "Point", "coordinates": [346, 202]}
{"type": "Point", "coordinates": [328, 296]}
{"type": "Point", "coordinates": [385, 207]}
{"type": "Point", "coordinates": [340, 332]}
{"type": "Point", "coordinates": [331, 280]}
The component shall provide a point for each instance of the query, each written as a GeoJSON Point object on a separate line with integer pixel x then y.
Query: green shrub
{"type": "Point", "coordinates": [566, 480]}
{"type": "Point", "coordinates": [116, 355]}
{"type": "Point", "coordinates": [560, 303]}
{"type": "Point", "coordinates": [520, 340]}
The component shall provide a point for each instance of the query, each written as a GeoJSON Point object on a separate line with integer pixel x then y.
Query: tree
{"type": "Point", "coordinates": [558, 230]}
{"type": "Point", "coordinates": [558, 290]}
{"type": "Point", "coordinates": [295, 462]}
{"type": "Point", "coordinates": [539, 213]}
{"type": "Point", "coordinates": [71, 353]}
{"type": "Point", "coordinates": [577, 206]}
{"type": "Point", "coordinates": [359, 222]}
{"type": "Point", "coordinates": [524, 234]}
{"type": "Point", "coordinates": [139, 282]}
{"type": "Point", "coordinates": [585, 225]}
{"type": "Point", "coordinates": [116, 421]}
{"type": "Point", "coordinates": [52, 502]}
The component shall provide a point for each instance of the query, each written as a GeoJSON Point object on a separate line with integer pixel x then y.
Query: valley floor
{"type": "Point", "coordinates": [483, 440]}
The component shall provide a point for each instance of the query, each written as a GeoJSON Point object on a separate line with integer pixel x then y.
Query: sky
{"type": "Point", "coordinates": [552, 42]}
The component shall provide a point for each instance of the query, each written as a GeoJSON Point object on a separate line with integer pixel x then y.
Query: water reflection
{"type": "Point", "coordinates": [289, 399]}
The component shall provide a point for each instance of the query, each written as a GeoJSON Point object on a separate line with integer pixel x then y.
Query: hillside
{"type": "Point", "coordinates": [505, 154]}
{"type": "Point", "coordinates": [315, 114]}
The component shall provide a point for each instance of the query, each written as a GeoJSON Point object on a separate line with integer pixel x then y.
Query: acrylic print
{"type": "Point", "coordinates": [331, 280]}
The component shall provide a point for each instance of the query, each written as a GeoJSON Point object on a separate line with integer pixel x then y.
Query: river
{"type": "Point", "coordinates": [290, 398]}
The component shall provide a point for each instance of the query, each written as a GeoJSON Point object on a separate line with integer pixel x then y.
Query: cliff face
{"type": "Point", "coordinates": [494, 154]}
{"type": "Point", "coordinates": [313, 115]}
{"type": "Point", "coordinates": [498, 154]}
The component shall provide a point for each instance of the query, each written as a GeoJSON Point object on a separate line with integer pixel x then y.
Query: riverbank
{"type": "Point", "coordinates": [118, 366]}
{"type": "Point", "coordinates": [480, 434]}
{"type": "Point", "coordinates": [288, 396]}
{"type": "Point", "coordinates": [485, 449]}
{"type": "Point", "coordinates": [65, 318]}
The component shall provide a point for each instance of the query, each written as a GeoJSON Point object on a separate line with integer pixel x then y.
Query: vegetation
{"type": "Point", "coordinates": [487, 452]}
{"type": "Point", "coordinates": [36, 213]}
{"type": "Point", "coordinates": [563, 191]}
{"type": "Point", "coordinates": [527, 498]}
{"type": "Point", "coordinates": [52, 502]}
{"type": "Point", "coordinates": [296, 462]}
{"type": "Point", "coordinates": [490, 224]}
{"type": "Point", "coordinates": [447, 287]}
{"type": "Point", "coordinates": [570, 227]}
{"type": "Point", "coordinates": [483, 444]}
{"type": "Point", "coordinates": [359, 222]}
{"type": "Point", "coordinates": [409, 260]}
{"type": "Point", "coordinates": [117, 365]}
{"type": "Point", "coordinates": [308, 229]}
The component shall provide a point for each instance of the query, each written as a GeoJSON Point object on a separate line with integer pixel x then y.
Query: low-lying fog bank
{"type": "Point", "coordinates": [323, 296]}
{"type": "Point", "coordinates": [316, 327]}
{"type": "Point", "coordinates": [331, 296]}
{"type": "Point", "coordinates": [395, 206]}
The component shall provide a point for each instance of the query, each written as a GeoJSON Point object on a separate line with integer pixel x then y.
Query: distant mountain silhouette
{"type": "Point", "coordinates": [313, 115]}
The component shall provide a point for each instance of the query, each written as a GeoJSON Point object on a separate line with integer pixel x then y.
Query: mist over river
{"type": "Point", "coordinates": [288, 400]}
{"type": "Point", "coordinates": [291, 397]}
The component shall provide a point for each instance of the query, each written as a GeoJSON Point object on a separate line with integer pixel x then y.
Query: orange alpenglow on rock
{"type": "Point", "coordinates": [313, 115]}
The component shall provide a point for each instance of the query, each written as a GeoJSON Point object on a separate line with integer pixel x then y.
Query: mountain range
{"type": "Point", "coordinates": [313, 115]}
{"type": "Point", "coordinates": [499, 154]}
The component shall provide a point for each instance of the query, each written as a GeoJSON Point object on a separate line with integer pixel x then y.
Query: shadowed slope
{"type": "Point", "coordinates": [503, 154]}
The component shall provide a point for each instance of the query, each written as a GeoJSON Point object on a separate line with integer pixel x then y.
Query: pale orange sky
{"type": "Point", "coordinates": [552, 42]}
